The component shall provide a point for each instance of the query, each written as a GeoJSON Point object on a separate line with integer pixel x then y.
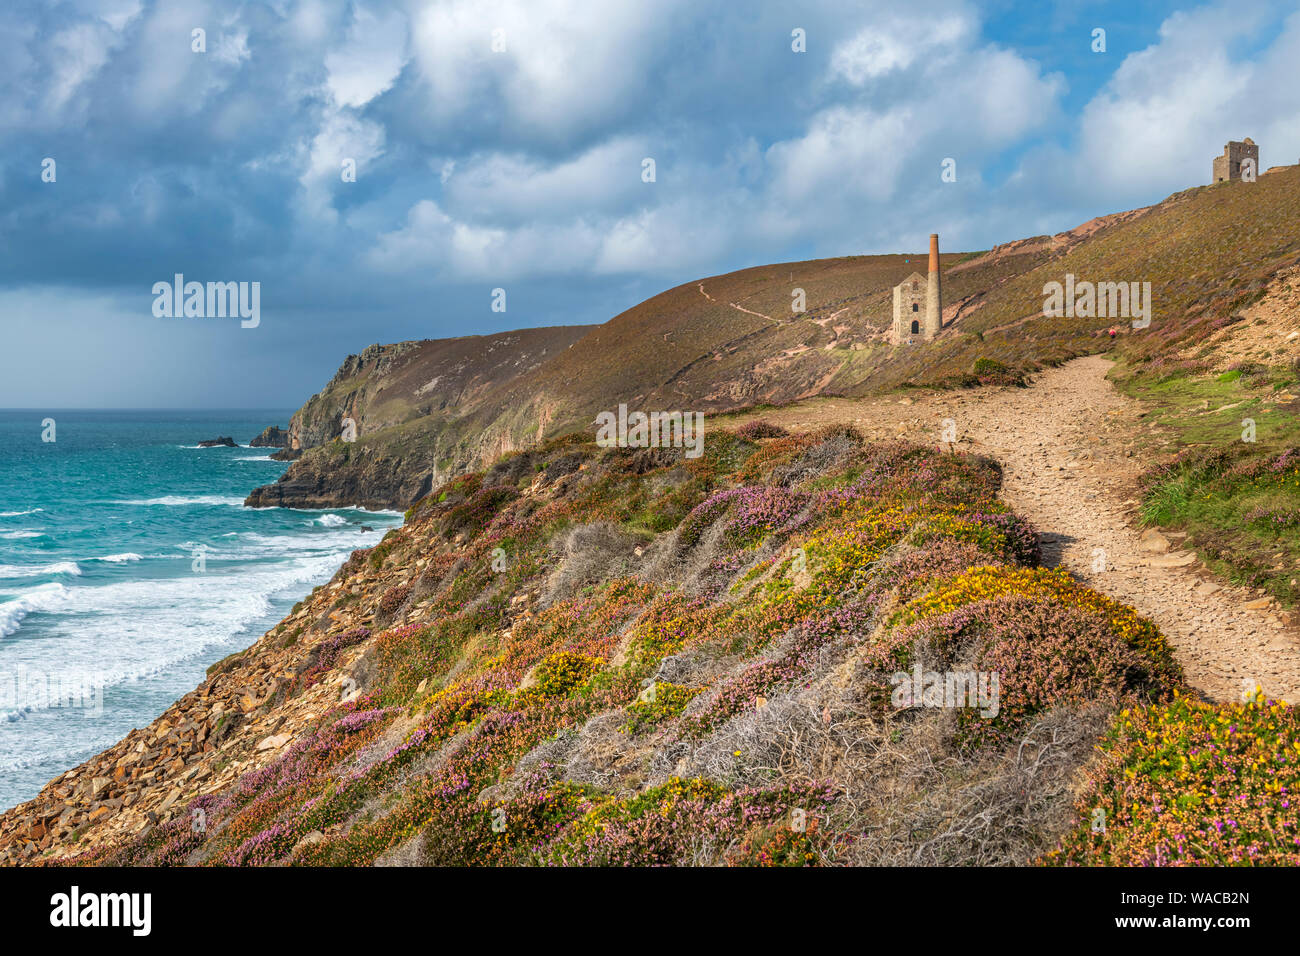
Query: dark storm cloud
{"type": "Point", "coordinates": [521, 166]}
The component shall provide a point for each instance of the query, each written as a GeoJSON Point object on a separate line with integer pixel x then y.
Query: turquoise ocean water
{"type": "Point", "coordinates": [128, 564]}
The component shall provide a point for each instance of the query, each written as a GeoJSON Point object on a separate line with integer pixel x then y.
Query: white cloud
{"type": "Point", "coordinates": [644, 242]}
{"type": "Point", "coordinates": [896, 44]}
{"type": "Point", "coordinates": [362, 67]}
{"type": "Point", "coordinates": [1168, 109]}
{"type": "Point", "coordinates": [526, 163]}
{"type": "Point", "coordinates": [232, 48]}
{"type": "Point", "coordinates": [667, 239]}
{"type": "Point", "coordinates": [170, 78]}
{"type": "Point", "coordinates": [960, 99]}
{"type": "Point", "coordinates": [79, 53]}
{"type": "Point", "coordinates": [600, 179]}
{"type": "Point", "coordinates": [1218, 73]}
{"type": "Point", "coordinates": [566, 65]}
{"type": "Point", "coordinates": [833, 184]}
{"type": "Point", "coordinates": [341, 136]}
{"type": "Point", "coordinates": [844, 150]}
{"type": "Point", "coordinates": [118, 13]}
{"type": "Point", "coordinates": [1166, 105]}
{"type": "Point", "coordinates": [369, 60]}
{"type": "Point", "coordinates": [309, 23]}
{"type": "Point", "coordinates": [433, 241]}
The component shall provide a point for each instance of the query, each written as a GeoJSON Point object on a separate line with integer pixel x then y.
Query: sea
{"type": "Point", "coordinates": [129, 564]}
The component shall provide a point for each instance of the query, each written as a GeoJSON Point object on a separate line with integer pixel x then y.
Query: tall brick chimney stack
{"type": "Point", "coordinates": [933, 296]}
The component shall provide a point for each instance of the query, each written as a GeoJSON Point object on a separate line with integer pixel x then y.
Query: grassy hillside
{"type": "Point", "coordinates": [1225, 467]}
{"type": "Point", "coordinates": [709, 345]}
{"type": "Point", "coordinates": [733, 340]}
{"type": "Point", "coordinates": [1219, 369]}
{"type": "Point", "coordinates": [578, 655]}
{"type": "Point", "coordinates": [1208, 253]}
{"type": "Point", "coordinates": [610, 656]}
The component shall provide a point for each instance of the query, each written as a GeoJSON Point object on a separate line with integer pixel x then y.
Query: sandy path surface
{"type": "Point", "coordinates": [1071, 449]}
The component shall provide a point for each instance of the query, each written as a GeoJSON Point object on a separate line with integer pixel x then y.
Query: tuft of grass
{"type": "Point", "coordinates": [1234, 482]}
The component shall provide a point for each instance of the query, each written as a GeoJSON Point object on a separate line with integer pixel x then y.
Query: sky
{"type": "Point", "coordinates": [504, 144]}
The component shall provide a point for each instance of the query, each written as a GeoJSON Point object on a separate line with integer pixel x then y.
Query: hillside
{"type": "Point", "coordinates": [581, 655]}
{"type": "Point", "coordinates": [430, 410]}
{"type": "Point", "coordinates": [710, 345]}
{"type": "Point", "coordinates": [1208, 252]}
{"type": "Point", "coordinates": [630, 657]}
{"type": "Point", "coordinates": [408, 393]}
{"type": "Point", "coordinates": [611, 656]}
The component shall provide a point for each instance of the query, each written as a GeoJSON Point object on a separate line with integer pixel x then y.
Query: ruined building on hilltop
{"type": "Point", "coordinates": [1235, 155]}
{"type": "Point", "coordinates": [911, 322]}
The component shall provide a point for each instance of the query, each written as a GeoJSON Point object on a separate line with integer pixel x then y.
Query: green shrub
{"type": "Point", "coordinates": [662, 702]}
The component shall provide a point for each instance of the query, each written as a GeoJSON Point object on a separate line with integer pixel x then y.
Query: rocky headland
{"type": "Point", "coordinates": [271, 437]}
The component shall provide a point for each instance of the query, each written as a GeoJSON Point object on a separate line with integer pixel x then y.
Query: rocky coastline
{"type": "Point", "coordinates": [271, 437]}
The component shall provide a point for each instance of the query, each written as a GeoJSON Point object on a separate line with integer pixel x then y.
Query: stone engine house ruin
{"type": "Point", "coordinates": [918, 303]}
{"type": "Point", "coordinates": [1229, 166]}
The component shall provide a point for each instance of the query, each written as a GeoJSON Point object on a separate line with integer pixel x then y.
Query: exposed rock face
{"type": "Point", "coordinates": [272, 437]}
{"type": "Point", "coordinates": [367, 480]}
{"type": "Point", "coordinates": [225, 441]}
{"type": "Point", "coordinates": [409, 407]}
{"type": "Point", "coordinates": [390, 385]}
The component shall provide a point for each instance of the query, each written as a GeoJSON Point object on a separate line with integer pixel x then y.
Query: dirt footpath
{"type": "Point", "coordinates": [1070, 446]}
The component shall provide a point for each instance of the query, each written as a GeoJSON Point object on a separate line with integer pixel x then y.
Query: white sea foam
{"type": "Point", "coordinates": [372, 512]}
{"type": "Point", "coordinates": [254, 545]}
{"type": "Point", "coordinates": [253, 458]}
{"type": "Point", "coordinates": [19, 514]}
{"type": "Point", "coordinates": [56, 748]}
{"type": "Point", "coordinates": [133, 636]}
{"type": "Point", "coordinates": [12, 535]}
{"type": "Point", "coordinates": [43, 597]}
{"type": "Point", "coordinates": [182, 500]}
{"type": "Point", "coordinates": [35, 571]}
{"type": "Point", "coordinates": [112, 633]}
